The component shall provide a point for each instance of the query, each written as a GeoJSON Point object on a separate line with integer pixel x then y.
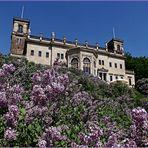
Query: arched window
{"type": "Point", "coordinates": [118, 47]}
{"type": "Point", "coordinates": [20, 29]}
{"type": "Point", "coordinates": [74, 63]}
{"type": "Point", "coordinates": [86, 66]}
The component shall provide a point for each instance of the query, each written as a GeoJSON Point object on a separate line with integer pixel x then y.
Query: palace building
{"type": "Point", "coordinates": [107, 62]}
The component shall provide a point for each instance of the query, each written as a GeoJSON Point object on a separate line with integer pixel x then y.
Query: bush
{"type": "Point", "coordinates": [142, 86]}
{"type": "Point", "coordinates": [60, 107]}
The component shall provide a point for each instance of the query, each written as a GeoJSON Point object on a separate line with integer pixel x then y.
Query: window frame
{"type": "Point", "coordinates": [39, 53]}
{"type": "Point", "coordinates": [121, 66]}
{"type": "Point", "coordinates": [110, 64]}
{"type": "Point", "coordinates": [87, 65]}
{"type": "Point", "coordinates": [47, 54]}
{"type": "Point", "coordinates": [20, 28]}
{"type": "Point", "coordinates": [32, 52]}
{"type": "Point", "coordinates": [115, 65]}
{"type": "Point", "coordinates": [74, 63]}
{"type": "Point", "coordinates": [62, 56]}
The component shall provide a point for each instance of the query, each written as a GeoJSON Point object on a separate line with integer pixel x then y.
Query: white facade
{"type": "Point", "coordinates": [108, 63]}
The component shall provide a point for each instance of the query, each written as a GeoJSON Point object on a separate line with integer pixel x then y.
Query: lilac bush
{"type": "Point", "coordinates": [142, 86]}
{"type": "Point", "coordinates": [59, 110]}
{"type": "Point", "coordinates": [139, 129]}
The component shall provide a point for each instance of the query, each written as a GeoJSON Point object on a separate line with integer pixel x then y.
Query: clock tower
{"type": "Point", "coordinates": [19, 36]}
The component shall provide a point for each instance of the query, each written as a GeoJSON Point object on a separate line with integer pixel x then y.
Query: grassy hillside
{"type": "Point", "coordinates": [59, 107]}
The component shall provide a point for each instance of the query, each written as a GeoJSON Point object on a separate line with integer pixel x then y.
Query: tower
{"type": "Point", "coordinates": [19, 35]}
{"type": "Point", "coordinates": [115, 46]}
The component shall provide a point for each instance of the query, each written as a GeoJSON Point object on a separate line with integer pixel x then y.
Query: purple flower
{"type": "Point", "coordinates": [52, 135]}
{"type": "Point", "coordinates": [74, 145]}
{"type": "Point", "coordinates": [57, 87]}
{"type": "Point", "coordinates": [11, 117]}
{"type": "Point", "coordinates": [16, 89]}
{"type": "Point", "coordinates": [93, 134]}
{"type": "Point", "coordinates": [130, 144]}
{"type": "Point", "coordinates": [8, 68]}
{"type": "Point", "coordinates": [112, 141]}
{"type": "Point", "coordinates": [14, 94]}
{"type": "Point", "coordinates": [14, 109]}
{"type": "Point", "coordinates": [10, 134]}
{"type": "Point", "coordinates": [37, 77]}
{"type": "Point", "coordinates": [80, 97]}
{"type": "Point", "coordinates": [38, 95]}
{"type": "Point", "coordinates": [2, 73]}
{"type": "Point", "coordinates": [139, 114]}
{"type": "Point", "coordinates": [42, 143]}
{"type": "Point", "coordinates": [3, 100]}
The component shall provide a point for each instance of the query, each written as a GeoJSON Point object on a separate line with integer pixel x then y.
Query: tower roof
{"type": "Point", "coordinates": [21, 19]}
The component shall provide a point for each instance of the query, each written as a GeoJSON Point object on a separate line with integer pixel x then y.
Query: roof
{"type": "Point", "coordinates": [21, 19]}
{"type": "Point", "coordinates": [129, 72]}
{"type": "Point", "coordinates": [69, 42]}
{"type": "Point", "coordinates": [117, 39]}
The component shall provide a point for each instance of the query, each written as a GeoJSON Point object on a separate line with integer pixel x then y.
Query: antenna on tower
{"type": "Point", "coordinates": [22, 14]}
{"type": "Point", "coordinates": [113, 32]}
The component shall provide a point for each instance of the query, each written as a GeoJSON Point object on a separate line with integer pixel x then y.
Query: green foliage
{"type": "Point", "coordinates": [120, 89]}
{"type": "Point", "coordinates": [138, 64]}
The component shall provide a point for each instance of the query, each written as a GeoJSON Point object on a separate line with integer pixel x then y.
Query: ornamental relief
{"type": "Point", "coordinates": [86, 56]}
{"type": "Point", "coordinates": [73, 56]}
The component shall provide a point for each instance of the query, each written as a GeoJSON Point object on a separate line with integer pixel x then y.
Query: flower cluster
{"type": "Point", "coordinates": [112, 141]}
{"type": "Point", "coordinates": [10, 134]}
{"type": "Point", "coordinates": [47, 86]}
{"type": "Point", "coordinates": [74, 145]}
{"type": "Point", "coordinates": [129, 143]}
{"type": "Point", "coordinates": [42, 143]}
{"type": "Point", "coordinates": [51, 135]}
{"type": "Point", "coordinates": [3, 100]}
{"type": "Point", "coordinates": [81, 98]}
{"type": "Point", "coordinates": [11, 116]}
{"type": "Point", "coordinates": [7, 69]}
{"type": "Point", "coordinates": [93, 134]}
{"type": "Point", "coordinates": [139, 129]}
{"type": "Point", "coordinates": [35, 112]}
{"type": "Point", "coordinates": [14, 94]}
{"type": "Point", "coordinates": [139, 115]}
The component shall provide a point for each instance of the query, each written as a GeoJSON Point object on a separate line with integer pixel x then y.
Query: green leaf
{"type": "Point", "coordinates": [30, 127]}
{"type": "Point", "coordinates": [23, 111]}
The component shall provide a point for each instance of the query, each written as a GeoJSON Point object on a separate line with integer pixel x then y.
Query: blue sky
{"type": "Point", "coordinates": [91, 21]}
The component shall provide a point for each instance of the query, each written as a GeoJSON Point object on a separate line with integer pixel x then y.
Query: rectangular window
{"type": "Point", "coordinates": [58, 55]}
{"type": "Point", "coordinates": [104, 76]}
{"type": "Point", "coordinates": [39, 53]}
{"type": "Point", "coordinates": [102, 62]}
{"type": "Point", "coordinates": [32, 53]}
{"type": "Point", "coordinates": [47, 54]}
{"type": "Point", "coordinates": [18, 41]}
{"type": "Point", "coordinates": [99, 62]}
{"type": "Point", "coordinates": [120, 66]}
{"type": "Point", "coordinates": [115, 65]}
{"type": "Point", "coordinates": [110, 64]}
{"type": "Point", "coordinates": [116, 77]}
{"type": "Point", "coordinates": [121, 77]}
{"type": "Point", "coordinates": [111, 78]}
{"type": "Point", "coordinates": [62, 56]}
{"type": "Point", "coordinates": [130, 81]}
